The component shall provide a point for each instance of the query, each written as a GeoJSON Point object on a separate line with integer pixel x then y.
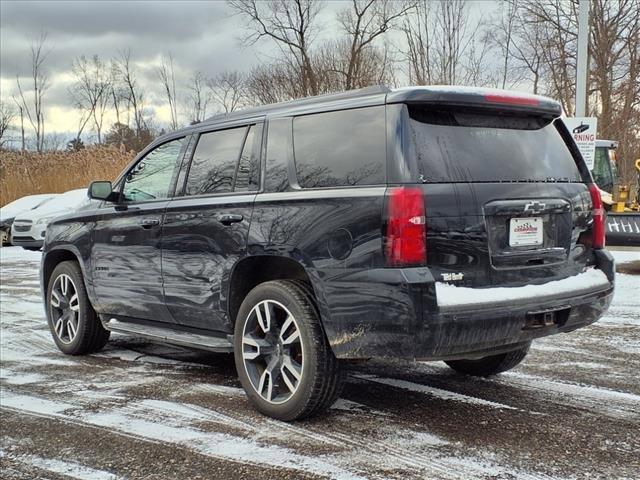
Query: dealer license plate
{"type": "Point", "coordinates": [525, 231]}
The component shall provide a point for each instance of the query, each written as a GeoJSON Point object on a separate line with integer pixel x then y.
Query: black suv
{"type": "Point", "coordinates": [437, 223]}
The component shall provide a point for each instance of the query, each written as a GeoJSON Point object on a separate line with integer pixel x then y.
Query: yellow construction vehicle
{"type": "Point", "coordinates": [622, 204]}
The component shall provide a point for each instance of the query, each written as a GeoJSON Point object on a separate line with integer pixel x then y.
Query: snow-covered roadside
{"type": "Point", "coordinates": [626, 256]}
{"type": "Point", "coordinates": [409, 421]}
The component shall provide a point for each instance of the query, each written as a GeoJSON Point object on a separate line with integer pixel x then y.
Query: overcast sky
{"type": "Point", "coordinates": [201, 35]}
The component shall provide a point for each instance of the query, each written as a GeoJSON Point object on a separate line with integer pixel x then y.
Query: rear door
{"type": "Point", "coordinates": [505, 199]}
{"type": "Point", "coordinates": [127, 271]}
{"type": "Point", "coordinates": [206, 227]}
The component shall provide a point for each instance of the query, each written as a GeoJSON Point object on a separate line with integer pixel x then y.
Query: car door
{"type": "Point", "coordinates": [205, 229]}
{"type": "Point", "coordinates": [126, 253]}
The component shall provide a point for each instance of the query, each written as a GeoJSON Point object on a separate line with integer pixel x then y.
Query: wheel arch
{"type": "Point", "coordinates": [53, 258]}
{"type": "Point", "coordinates": [253, 270]}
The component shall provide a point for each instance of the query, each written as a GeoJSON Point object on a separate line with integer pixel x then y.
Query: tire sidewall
{"type": "Point", "coordinates": [84, 309]}
{"type": "Point", "coordinates": [299, 400]}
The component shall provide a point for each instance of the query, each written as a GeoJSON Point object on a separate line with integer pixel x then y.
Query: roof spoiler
{"type": "Point", "coordinates": [476, 97]}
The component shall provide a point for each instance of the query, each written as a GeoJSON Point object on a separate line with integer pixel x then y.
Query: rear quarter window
{"type": "Point", "coordinates": [343, 148]}
{"type": "Point", "coordinates": [452, 146]}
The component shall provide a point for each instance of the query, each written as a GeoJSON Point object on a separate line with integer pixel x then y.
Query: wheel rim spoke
{"type": "Point", "coordinates": [289, 325]}
{"type": "Point", "coordinates": [59, 326]}
{"type": "Point", "coordinates": [64, 284]}
{"type": "Point", "coordinates": [253, 347]}
{"type": "Point", "coordinates": [272, 351]}
{"type": "Point", "coordinates": [55, 299]}
{"type": "Point", "coordinates": [264, 318]}
{"type": "Point", "coordinates": [72, 328]}
{"type": "Point", "coordinates": [73, 303]}
{"type": "Point", "coordinates": [291, 369]}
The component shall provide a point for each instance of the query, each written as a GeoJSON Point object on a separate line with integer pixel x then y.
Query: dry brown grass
{"type": "Point", "coordinates": [55, 172]}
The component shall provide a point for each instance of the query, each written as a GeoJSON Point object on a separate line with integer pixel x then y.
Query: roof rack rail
{"type": "Point", "coordinates": [360, 92]}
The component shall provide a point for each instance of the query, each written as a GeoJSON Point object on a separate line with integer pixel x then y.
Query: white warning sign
{"type": "Point", "coordinates": [583, 130]}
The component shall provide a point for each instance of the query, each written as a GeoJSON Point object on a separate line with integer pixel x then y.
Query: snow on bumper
{"type": "Point", "coordinates": [451, 296]}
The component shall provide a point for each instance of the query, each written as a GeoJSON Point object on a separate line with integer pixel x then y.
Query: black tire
{"type": "Point", "coordinates": [90, 336]}
{"type": "Point", "coordinates": [321, 378]}
{"type": "Point", "coordinates": [492, 365]}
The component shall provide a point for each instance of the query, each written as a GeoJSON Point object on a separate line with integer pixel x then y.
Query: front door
{"type": "Point", "coordinates": [205, 229]}
{"type": "Point", "coordinates": [126, 253]}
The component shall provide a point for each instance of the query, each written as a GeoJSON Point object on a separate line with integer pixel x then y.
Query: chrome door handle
{"type": "Point", "coordinates": [150, 223]}
{"type": "Point", "coordinates": [229, 218]}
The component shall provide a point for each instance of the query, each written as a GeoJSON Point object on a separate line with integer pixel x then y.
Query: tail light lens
{"type": "Point", "coordinates": [406, 235]}
{"type": "Point", "coordinates": [597, 232]}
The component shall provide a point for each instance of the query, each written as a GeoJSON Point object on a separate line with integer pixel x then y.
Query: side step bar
{"type": "Point", "coordinates": [167, 335]}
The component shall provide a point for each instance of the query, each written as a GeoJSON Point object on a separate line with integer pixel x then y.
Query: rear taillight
{"type": "Point", "coordinates": [597, 229]}
{"type": "Point", "coordinates": [406, 235]}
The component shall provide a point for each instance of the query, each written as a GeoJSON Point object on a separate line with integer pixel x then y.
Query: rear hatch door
{"type": "Point", "coordinates": [505, 197]}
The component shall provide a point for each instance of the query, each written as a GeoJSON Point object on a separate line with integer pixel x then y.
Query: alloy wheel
{"type": "Point", "coordinates": [272, 351]}
{"type": "Point", "coordinates": [64, 308]}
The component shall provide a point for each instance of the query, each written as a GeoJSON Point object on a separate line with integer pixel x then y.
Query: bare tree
{"type": "Point", "coordinates": [417, 33]}
{"type": "Point", "coordinates": [291, 25]}
{"type": "Point", "coordinates": [23, 144]}
{"type": "Point", "coordinates": [7, 115]}
{"type": "Point", "coordinates": [131, 91]}
{"type": "Point", "coordinates": [167, 77]}
{"type": "Point", "coordinates": [228, 90]}
{"type": "Point", "coordinates": [198, 98]}
{"type": "Point", "coordinates": [444, 44]}
{"type": "Point", "coordinates": [501, 37]}
{"type": "Point", "coordinates": [272, 83]}
{"type": "Point", "coordinates": [116, 95]}
{"type": "Point", "coordinates": [91, 92]}
{"type": "Point", "coordinates": [33, 109]}
{"type": "Point", "coordinates": [614, 73]}
{"type": "Point", "coordinates": [364, 22]}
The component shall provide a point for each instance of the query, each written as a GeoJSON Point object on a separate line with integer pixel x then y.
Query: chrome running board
{"type": "Point", "coordinates": [167, 335]}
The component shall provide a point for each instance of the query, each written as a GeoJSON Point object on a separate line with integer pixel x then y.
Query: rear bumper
{"type": "Point", "coordinates": [408, 323]}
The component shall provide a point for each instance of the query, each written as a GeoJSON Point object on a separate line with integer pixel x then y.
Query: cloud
{"type": "Point", "coordinates": [201, 35]}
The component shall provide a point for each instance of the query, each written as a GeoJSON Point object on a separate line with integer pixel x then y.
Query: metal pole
{"type": "Point", "coordinates": [583, 58]}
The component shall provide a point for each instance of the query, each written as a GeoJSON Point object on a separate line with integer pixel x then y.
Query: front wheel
{"type": "Point", "coordinates": [74, 325]}
{"type": "Point", "coordinates": [282, 356]}
{"type": "Point", "coordinates": [492, 365]}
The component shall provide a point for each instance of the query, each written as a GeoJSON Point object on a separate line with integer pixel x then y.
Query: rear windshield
{"type": "Point", "coordinates": [456, 146]}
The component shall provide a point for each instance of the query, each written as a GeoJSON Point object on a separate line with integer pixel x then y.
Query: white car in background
{"type": "Point", "coordinates": [29, 228]}
{"type": "Point", "coordinates": [22, 205]}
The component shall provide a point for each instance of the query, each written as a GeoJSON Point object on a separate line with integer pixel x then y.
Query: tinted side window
{"type": "Point", "coordinates": [152, 177]}
{"type": "Point", "coordinates": [340, 148]}
{"type": "Point", "coordinates": [214, 162]}
{"type": "Point", "coordinates": [248, 173]}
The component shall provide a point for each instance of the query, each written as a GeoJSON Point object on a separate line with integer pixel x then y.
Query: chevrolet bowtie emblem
{"type": "Point", "coordinates": [535, 207]}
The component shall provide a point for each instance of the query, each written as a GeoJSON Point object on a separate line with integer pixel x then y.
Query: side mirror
{"type": "Point", "coordinates": [100, 190]}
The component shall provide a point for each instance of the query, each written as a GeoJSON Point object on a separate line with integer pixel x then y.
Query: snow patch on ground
{"type": "Point", "coordinates": [33, 404]}
{"type": "Point", "coordinates": [8, 254]}
{"type": "Point", "coordinates": [622, 256]}
{"type": "Point", "coordinates": [63, 467]}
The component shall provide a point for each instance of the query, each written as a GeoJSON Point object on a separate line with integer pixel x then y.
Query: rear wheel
{"type": "Point", "coordinates": [492, 365]}
{"type": "Point", "coordinates": [283, 359]}
{"type": "Point", "coordinates": [74, 325]}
